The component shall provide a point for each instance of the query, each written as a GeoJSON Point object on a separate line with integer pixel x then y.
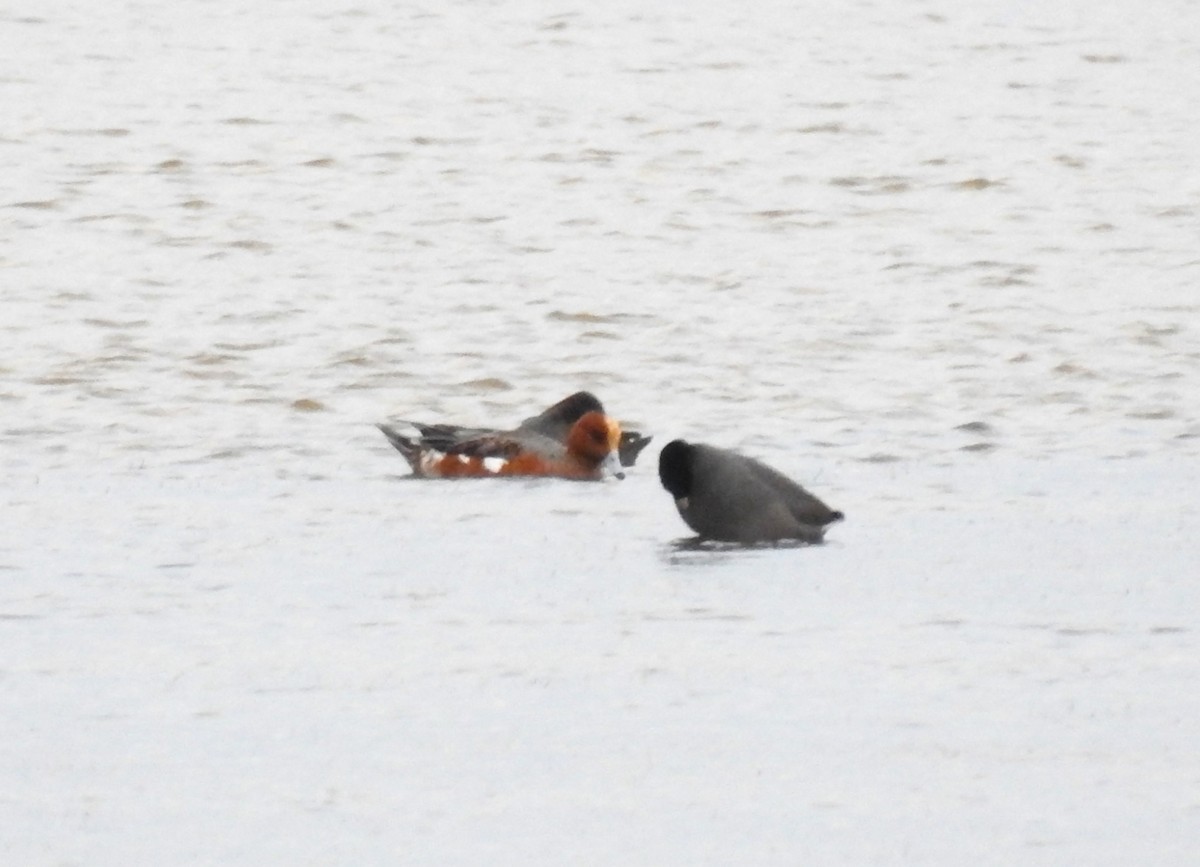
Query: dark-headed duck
{"type": "Point", "coordinates": [729, 497]}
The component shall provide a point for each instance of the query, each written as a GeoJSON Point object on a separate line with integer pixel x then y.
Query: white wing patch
{"type": "Point", "coordinates": [432, 467]}
{"type": "Point", "coordinates": [429, 462]}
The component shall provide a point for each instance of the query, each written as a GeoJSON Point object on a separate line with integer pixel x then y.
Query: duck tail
{"type": "Point", "coordinates": [407, 447]}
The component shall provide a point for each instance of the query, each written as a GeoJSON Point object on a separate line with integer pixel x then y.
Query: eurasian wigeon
{"type": "Point", "coordinates": [729, 497]}
{"type": "Point", "coordinates": [554, 423]}
{"type": "Point", "coordinates": [590, 451]}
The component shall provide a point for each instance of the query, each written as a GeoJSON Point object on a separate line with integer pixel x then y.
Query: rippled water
{"type": "Point", "coordinates": [938, 263]}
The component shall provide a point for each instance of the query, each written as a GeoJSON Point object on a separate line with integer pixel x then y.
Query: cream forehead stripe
{"type": "Point", "coordinates": [614, 434]}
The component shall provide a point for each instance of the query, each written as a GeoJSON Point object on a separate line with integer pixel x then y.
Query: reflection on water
{"type": "Point", "coordinates": [695, 551]}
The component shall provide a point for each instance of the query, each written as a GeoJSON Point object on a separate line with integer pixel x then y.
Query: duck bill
{"type": "Point", "coordinates": [611, 465]}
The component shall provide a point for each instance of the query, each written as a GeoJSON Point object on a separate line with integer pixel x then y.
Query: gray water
{"type": "Point", "coordinates": [937, 263]}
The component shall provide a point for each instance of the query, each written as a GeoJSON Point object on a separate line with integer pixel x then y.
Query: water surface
{"type": "Point", "coordinates": [939, 264]}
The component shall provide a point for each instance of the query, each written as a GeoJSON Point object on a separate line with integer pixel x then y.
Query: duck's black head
{"type": "Point", "coordinates": [675, 468]}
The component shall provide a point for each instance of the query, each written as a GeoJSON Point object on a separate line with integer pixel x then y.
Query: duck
{"type": "Point", "coordinates": [726, 496]}
{"type": "Point", "coordinates": [554, 422]}
{"type": "Point", "coordinates": [589, 453]}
